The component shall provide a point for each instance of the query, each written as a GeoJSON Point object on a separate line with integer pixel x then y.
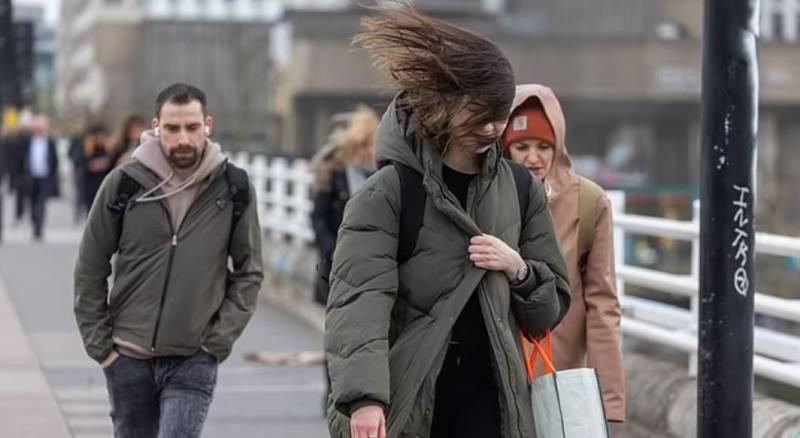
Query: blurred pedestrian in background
{"type": "Point", "coordinates": [128, 138]}
{"type": "Point", "coordinates": [77, 144]}
{"type": "Point", "coordinates": [40, 170]}
{"type": "Point", "coordinates": [339, 170]}
{"type": "Point", "coordinates": [98, 158]}
{"type": "Point", "coordinates": [18, 165]}
{"type": "Point", "coordinates": [8, 130]}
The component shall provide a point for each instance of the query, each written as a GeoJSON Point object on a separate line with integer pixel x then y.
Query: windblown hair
{"type": "Point", "coordinates": [344, 143]}
{"type": "Point", "coordinates": [440, 69]}
{"type": "Point", "coordinates": [359, 132]}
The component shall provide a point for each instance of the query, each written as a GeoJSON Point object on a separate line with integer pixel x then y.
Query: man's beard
{"type": "Point", "coordinates": [184, 157]}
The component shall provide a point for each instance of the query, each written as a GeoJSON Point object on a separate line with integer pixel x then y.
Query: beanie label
{"type": "Point", "coordinates": [520, 123]}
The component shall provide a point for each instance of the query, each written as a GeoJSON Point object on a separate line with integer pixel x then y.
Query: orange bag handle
{"type": "Point", "coordinates": [545, 352]}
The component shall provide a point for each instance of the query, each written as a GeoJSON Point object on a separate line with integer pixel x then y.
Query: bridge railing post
{"type": "Point", "coordinates": [617, 198]}
{"type": "Point", "coordinates": [694, 303]}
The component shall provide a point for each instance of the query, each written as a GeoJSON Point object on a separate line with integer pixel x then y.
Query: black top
{"type": "Point", "coordinates": [470, 341]}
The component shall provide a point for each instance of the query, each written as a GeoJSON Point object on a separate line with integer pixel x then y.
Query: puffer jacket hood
{"type": "Point", "coordinates": [397, 140]}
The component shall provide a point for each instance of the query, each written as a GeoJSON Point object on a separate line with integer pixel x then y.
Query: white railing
{"type": "Point", "coordinates": [283, 189]}
{"type": "Point", "coordinates": [777, 354]}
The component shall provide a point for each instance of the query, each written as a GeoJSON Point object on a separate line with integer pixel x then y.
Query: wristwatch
{"type": "Point", "coordinates": [522, 274]}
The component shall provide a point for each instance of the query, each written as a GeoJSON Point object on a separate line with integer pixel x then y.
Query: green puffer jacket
{"type": "Point", "coordinates": [388, 326]}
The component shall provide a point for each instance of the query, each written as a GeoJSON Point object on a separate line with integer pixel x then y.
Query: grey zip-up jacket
{"type": "Point", "coordinates": [173, 291]}
{"type": "Point", "coordinates": [388, 326]}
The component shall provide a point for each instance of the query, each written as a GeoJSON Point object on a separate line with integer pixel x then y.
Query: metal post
{"type": "Point", "coordinates": [730, 119]}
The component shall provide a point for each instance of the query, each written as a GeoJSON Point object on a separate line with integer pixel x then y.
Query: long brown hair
{"type": "Point", "coordinates": [440, 69]}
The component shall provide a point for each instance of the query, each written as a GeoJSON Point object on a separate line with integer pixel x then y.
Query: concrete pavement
{"type": "Point", "coordinates": [28, 406]}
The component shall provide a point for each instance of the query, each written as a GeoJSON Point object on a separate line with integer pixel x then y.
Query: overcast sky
{"type": "Point", "coordinates": [51, 7]}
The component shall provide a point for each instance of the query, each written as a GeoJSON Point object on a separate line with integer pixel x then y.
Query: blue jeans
{"type": "Point", "coordinates": [165, 397]}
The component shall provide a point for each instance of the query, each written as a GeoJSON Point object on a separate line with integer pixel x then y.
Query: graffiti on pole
{"type": "Point", "coordinates": [741, 280]}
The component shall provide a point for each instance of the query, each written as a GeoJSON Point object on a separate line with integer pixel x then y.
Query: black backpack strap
{"type": "Point", "coordinates": [126, 188]}
{"type": "Point", "coordinates": [412, 209]}
{"type": "Point", "coordinates": [239, 189]}
{"type": "Point", "coordinates": [523, 180]}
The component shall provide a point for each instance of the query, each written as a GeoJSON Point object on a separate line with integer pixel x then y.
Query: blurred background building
{"type": "Point", "coordinates": [628, 73]}
{"type": "Point", "coordinates": [278, 72]}
{"type": "Point", "coordinates": [27, 55]}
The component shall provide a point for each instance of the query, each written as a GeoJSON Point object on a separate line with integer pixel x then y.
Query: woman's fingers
{"type": "Point", "coordinates": [483, 258]}
{"type": "Point", "coordinates": [383, 428]}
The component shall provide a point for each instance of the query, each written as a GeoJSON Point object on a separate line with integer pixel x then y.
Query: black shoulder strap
{"type": "Point", "coordinates": [239, 188]}
{"type": "Point", "coordinates": [523, 181]}
{"type": "Point", "coordinates": [126, 188]}
{"type": "Point", "coordinates": [412, 209]}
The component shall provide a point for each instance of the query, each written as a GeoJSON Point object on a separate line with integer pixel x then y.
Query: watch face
{"type": "Point", "coordinates": [522, 273]}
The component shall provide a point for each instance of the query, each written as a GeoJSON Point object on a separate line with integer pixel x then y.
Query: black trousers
{"type": "Point", "coordinates": [21, 191]}
{"type": "Point", "coordinates": [467, 399]}
{"type": "Point", "coordinates": [38, 197]}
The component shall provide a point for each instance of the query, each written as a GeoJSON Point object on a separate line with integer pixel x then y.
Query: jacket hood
{"type": "Point", "coordinates": [560, 177]}
{"type": "Point", "coordinates": [397, 140]}
{"type": "Point", "coordinates": [149, 153]}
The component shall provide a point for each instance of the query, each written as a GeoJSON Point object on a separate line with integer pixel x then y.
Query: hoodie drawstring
{"type": "Point", "coordinates": [146, 195]}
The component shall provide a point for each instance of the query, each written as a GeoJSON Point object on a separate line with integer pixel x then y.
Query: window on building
{"type": "Point", "coordinates": [777, 27]}
{"type": "Point", "coordinates": [797, 27]}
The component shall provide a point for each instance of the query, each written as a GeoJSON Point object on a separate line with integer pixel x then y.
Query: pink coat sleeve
{"type": "Point", "coordinates": [603, 314]}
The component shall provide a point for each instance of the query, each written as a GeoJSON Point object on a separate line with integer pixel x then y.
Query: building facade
{"type": "Point", "coordinates": [628, 73]}
{"type": "Point", "coordinates": [115, 55]}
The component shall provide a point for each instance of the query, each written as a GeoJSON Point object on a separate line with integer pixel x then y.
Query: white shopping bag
{"type": "Point", "coordinates": [566, 404]}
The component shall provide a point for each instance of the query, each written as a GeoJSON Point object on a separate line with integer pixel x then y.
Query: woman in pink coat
{"type": "Point", "coordinates": [590, 334]}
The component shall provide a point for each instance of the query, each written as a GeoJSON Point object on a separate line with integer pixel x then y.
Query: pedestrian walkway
{"type": "Point", "coordinates": [60, 224]}
{"type": "Point", "coordinates": [27, 405]}
{"type": "Point", "coordinates": [46, 379]}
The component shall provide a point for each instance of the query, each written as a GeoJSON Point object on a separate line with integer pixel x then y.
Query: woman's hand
{"type": "Point", "coordinates": [368, 422]}
{"type": "Point", "coordinates": [490, 253]}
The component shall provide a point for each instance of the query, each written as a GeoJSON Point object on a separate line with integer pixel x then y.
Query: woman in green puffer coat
{"type": "Point", "coordinates": [430, 346]}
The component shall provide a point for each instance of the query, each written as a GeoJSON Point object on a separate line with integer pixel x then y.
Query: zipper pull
{"type": "Point", "coordinates": [174, 240]}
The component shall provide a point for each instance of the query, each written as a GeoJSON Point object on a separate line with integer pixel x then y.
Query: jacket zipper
{"type": "Point", "coordinates": [173, 245]}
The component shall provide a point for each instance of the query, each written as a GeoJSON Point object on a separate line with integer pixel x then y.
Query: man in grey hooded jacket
{"type": "Point", "coordinates": [186, 274]}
